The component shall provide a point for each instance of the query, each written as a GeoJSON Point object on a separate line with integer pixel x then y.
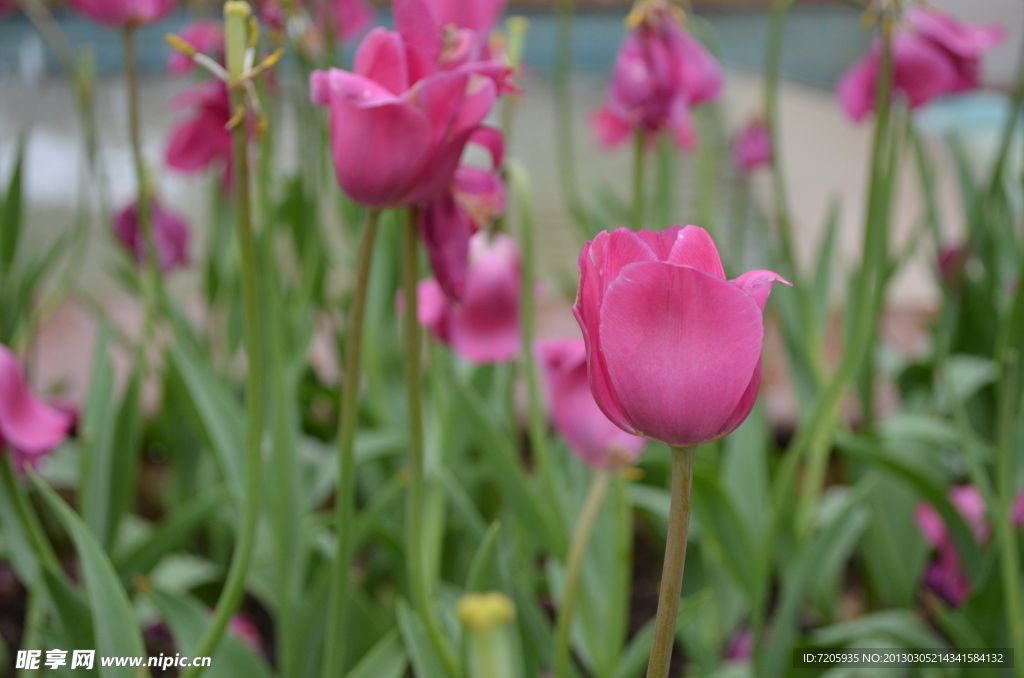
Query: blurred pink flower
{"type": "Point", "coordinates": [660, 73]}
{"type": "Point", "coordinates": [170, 235]}
{"type": "Point", "coordinates": [207, 36]}
{"type": "Point", "coordinates": [245, 629]}
{"type": "Point", "coordinates": [8, 6]}
{"type": "Point", "coordinates": [953, 266]}
{"type": "Point", "coordinates": [29, 428]}
{"type": "Point", "coordinates": [447, 222]}
{"type": "Point", "coordinates": [932, 55]}
{"type": "Point", "coordinates": [598, 442]}
{"type": "Point", "coordinates": [399, 121]}
{"type": "Point", "coordinates": [753, 148]}
{"type": "Point", "coordinates": [351, 17]}
{"type": "Point", "coordinates": [742, 646]}
{"type": "Point", "coordinates": [673, 347]}
{"type": "Point", "coordinates": [485, 326]}
{"type": "Point", "coordinates": [123, 13]}
{"type": "Point", "coordinates": [202, 139]}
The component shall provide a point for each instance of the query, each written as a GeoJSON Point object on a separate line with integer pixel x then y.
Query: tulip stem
{"type": "Point", "coordinates": [574, 568]}
{"type": "Point", "coordinates": [675, 559]}
{"type": "Point", "coordinates": [639, 148]}
{"type": "Point", "coordinates": [415, 509]}
{"type": "Point", "coordinates": [563, 113]}
{"type": "Point", "coordinates": [234, 587]}
{"type": "Point", "coordinates": [334, 647]}
{"type": "Point", "coordinates": [149, 274]}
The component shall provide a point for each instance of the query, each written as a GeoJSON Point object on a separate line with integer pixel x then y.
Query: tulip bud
{"type": "Point", "coordinates": [489, 641]}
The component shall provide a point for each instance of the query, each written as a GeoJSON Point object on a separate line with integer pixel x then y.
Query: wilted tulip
{"type": "Point", "coordinates": [587, 431]}
{"type": "Point", "coordinates": [673, 348]}
{"type": "Point", "coordinates": [29, 428]}
{"type": "Point", "coordinates": [660, 73]}
{"type": "Point", "coordinates": [396, 140]}
{"type": "Point", "coordinates": [932, 55]}
{"type": "Point", "coordinates": [753, 148]}
{"type": "Point", "coordinates": [170, 235]}
{"type": "Point", "coordinates": [202, 139]}
{"type": "Point", "coordinates": [124, 13]}
{"type": "Point", "coordinates": [206, 36]}
{"type": "Point", "coordinates": [485, 326]}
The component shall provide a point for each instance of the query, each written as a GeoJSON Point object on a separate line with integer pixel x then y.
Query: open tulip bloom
{"type": "Point", "coordinates": [170, 235]}
{"type": "Point", "coordinates": [401, 119]}
{"type": "Point", "coordinates": [932, 55]}
{"type": "Point", "coordinates": [674, 354]}
{"type": "Point", "coordinates": [673, 347]}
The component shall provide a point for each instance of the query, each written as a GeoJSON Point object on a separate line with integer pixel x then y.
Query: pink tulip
{"type": "Point", "coordinates": [245, 630]}
{"type": "Point", "coordinates": [202, 140]}
{"type": "Point", "coordinates": [400, 120]}
{"type": "Point", "coordinates": [963, 44]}
{"type": "Point", "coordinates": [351, 17]}
{"type": "Point", "coordinates": [447, 222]}
{"type": "Point", "coordinates": [122, 13]}
{"type": "Point", "coordinates": [485, 326]}
{"type": "Point", "coordinates": [478, 16]}
{"type": "Point", "coordinates": [170, 235]}
{"type": "Point", "coordinates": [206, 36]}
{"type": "Point", "coordinates": [660, 73]}
{"type": "Point", "coordinates": [29, 428]}
{"type": "Point", "coordinates": [589, 434]}
{"type": "Point", "coordinates": [753, 147]}
{"type": "Point", "coordinates": [742, 646]}
{"type": "Point", "coordinates": [932, 55]}
{"type": "Point", "coordinates": [945, 573]}
{"type": "Point", "coordinates": [673, 348]}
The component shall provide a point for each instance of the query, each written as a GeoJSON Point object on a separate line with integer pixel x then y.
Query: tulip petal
{"type": "Point", "coordinates": [27, 424]}
{"type": "Point", "coordinates": [485, 328]}
{"type": "Point", "coordinates": [381, 58]}
{"type": "Point", "coordinates": [680, 346]}
{"type": "Point", "coordinates": [433, 308]}
{"type": "Point", "coordinates": [856, 87]}
{"type": "Point", "coordinates": [744, 406]}
{"type": "Point", "coordinates": [610, 129]}
{"type": "Point", "coordinates": [660, 242]}
{"type": "Point", "coordinates": [445, 230]}
{"type": "Point", "coordinates": [694, 247]}
{"type": "Point", "coordinates": [758, 284]}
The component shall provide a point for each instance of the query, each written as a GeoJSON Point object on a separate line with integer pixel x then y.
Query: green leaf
{"type": "Point", "coordinates": [10, 218]}
{"type": "Point", "coordinates": [171, 533]}
{"type": "Point", "coordinates": [483, 566]}
{"type": "Point", "coordinates": [826, 259]}
{"type": "Point", "coordinates": [187, 618]}
{"type": "Point", "coordinates": [386, 659]}
{"type": "Point", "coordinates": [219, 414]}
{"type": "Point", "coordinates": [113, 617]}
{"type": "Point", "coordinates": [726, 532]}
{"type": "Point", "coordinates": [902, 627]}
{"type": "Point", "coordinates": [774, 660]}
{"type": "Point", "coordinates": [425, 662]}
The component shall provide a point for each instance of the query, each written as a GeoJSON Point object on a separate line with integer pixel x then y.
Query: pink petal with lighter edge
{"type": "Point", "coordinates": [680, 346]}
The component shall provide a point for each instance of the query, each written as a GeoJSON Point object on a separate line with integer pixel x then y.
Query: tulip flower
{"type": "Point", "coordinates": [673, 348]}
{"type": "Point", "coordinates": [753, 148]}
{"type": "Point", "coordinates": [660, 73]}
{"type": "Point", "coordinates": [932, 55]}
{"type": "Point", "coordinates": [29, 428]}
{"type": "Point", "coordinates": [587, 431]}
{"type": "Point", "coordinates": [401, 119]}
{"type": "Point", "coordinates": [206, 36]}
{"type": "Point", "coordinates": [170, 235]}
{"type": "Point", "coordinates": [243, 627]}
{"type": "Point", "coordinates": [124, 13]}
{"type": "Point", "coordinates": [485, 326]}
{"type": "Point", "coordinates": [202, 139]}
{"type": "Point", "coordinates": [945, 574]}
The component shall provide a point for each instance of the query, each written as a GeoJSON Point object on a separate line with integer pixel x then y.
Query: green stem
{"type": "Point", "coordinates": [334, 648]}
{"type": "Point", "coordinates": [234, 587]}
{"type": "Point", "coordinates": [149, 273]}
{"type": "Point", "coordinates": [639, 155]}
{"type": "Point", "coordinates": [563, 112]}
{"type": "Point", "coordinates": [1009, 554]}
{"type": "Point", "coordinates": [535, 409]}
{"type": "Point", "coordinates": [869, 297]}
{"type": "Point", "coordinates": [574, 569]}
{"type": "Point", "coordinates": [415, 506]}
{"type": "Point", "coordinates": [675, 559]}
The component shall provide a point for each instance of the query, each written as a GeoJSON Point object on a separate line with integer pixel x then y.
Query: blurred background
{"type": "Point", "coordinates": [824, 155]}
